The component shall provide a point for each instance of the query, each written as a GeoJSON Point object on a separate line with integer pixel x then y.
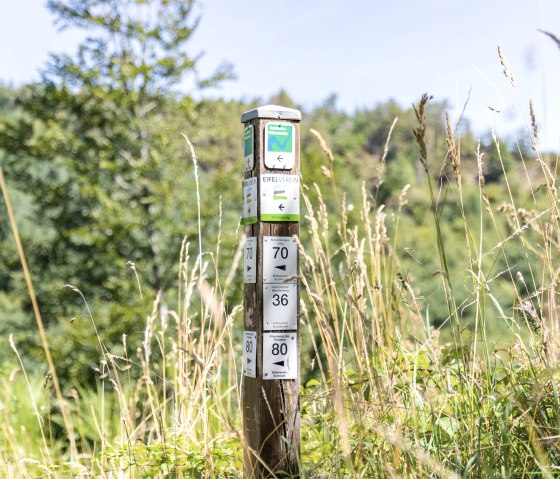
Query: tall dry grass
{"type": "Point", "coordinates": [402, 404]}
{"type": "Point", "coordinates": [384, 398]}
{"type": "Point", "coordinates": [169, 405]}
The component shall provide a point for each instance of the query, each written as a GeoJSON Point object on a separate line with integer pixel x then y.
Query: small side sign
{"type": "Point", "coordinates": [249, 201]}
{"type": "Point", "coordinates": [249, 148]}
{"type": "Point", "coordinates": [250, 260]}
{"type": "Point", "coordinates": [250, 354]}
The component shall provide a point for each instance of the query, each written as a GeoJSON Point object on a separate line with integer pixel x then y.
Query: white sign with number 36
{"type": "Point", "coordinates": [280, 306]}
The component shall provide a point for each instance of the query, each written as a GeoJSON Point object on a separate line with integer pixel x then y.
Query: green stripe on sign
{"type": "Point", "coordinates": [249, 221]}
{"type": "Point", "coordinates": [280, 217]}
{"type": "Point", "coordinates": [248, 141]}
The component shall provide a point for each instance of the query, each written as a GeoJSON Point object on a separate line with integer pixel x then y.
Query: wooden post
{"type": "Point", "coordinates": [271, 416]}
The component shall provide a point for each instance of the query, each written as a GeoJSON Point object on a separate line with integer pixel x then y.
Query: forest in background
{"type": "Point", "coordinates": [94, 216]}
{"type": "Point", "coordinates": [104, 191]}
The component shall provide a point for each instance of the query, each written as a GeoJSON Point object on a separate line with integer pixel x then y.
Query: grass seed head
{"type": "Point", "coordinates": [453, 151]}
{"type": "Point", "coordinates": [534, 125]}
{"type": "Point", "coordinates": [507, 73]}
{"type": "Point", "coordinates": [323, 144]}
{"type": "Point", "coordinates": [420, 131]}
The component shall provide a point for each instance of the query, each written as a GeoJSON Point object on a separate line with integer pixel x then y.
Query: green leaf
{"type": "Point", "coordinates": [312, 383]}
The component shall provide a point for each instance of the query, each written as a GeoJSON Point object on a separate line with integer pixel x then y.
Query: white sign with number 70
{"type": "Point", "coordinates": [279, 259]}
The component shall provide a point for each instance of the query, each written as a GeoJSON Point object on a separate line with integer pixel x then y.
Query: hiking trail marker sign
{"type": "Point", "coordinates": [250, 354]}
{"type": "Point", "coordinates": [279, 142]}
{"type": "Point", "coordinates": [280, 355]}
{"type": "Point", "coordinates": [271, 358]}
{"type": "Point", "coordinates": [250, 260]}
{"type": "Point", "coordinates": [279, 197]}
{"type": "Point", "coordinates": [280, 307]}
{"type": "Point", "coordinates": [279, 259]}
{"type": "Point", "coordinates": [249, 148]}
{"type": "Point", "coordinates": [250, 201]}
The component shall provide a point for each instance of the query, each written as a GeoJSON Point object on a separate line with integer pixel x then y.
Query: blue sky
{"type": "Point", "coordinates": [364, 51]}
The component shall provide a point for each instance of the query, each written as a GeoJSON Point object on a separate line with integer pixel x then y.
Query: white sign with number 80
{"type": "Point", "coordinates": [280, 356]}
{"type": "Point", "coordinates": [250, 354]}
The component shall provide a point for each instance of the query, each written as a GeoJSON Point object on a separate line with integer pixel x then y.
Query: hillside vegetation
{"type": "Point", "coordinates": [429, 271]}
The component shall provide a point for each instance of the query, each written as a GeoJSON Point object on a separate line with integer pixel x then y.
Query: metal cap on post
{"type": "Point", "coordinates": [273, 112]}
{"type": "Point", "coordinates": [271, 416]}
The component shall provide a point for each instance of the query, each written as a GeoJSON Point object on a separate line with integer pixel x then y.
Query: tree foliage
{"type": "Point", "coordinates": [103, 182]}
{"type": "Point", "coordinates": [96, 149]}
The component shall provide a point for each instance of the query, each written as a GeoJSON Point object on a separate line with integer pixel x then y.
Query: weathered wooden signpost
{"type": "Point", "coordinates": [271, 417]}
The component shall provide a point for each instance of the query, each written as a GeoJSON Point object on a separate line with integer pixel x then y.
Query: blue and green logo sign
{"type": "Point", "coordinates": [279, 145]}
{"type": "Point", "coordinates": [280, 137]}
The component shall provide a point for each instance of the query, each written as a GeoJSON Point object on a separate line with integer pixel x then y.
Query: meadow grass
{"type": "Point", "coordinates": [382, 396]}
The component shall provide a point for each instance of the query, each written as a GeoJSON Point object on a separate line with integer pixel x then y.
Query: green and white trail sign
{"type": "Point", "coordinates": [248, 148]}
{"type": "Point", "coordinates": [249, 215]}
{"type": "Point", "coordinates": [279, 196]}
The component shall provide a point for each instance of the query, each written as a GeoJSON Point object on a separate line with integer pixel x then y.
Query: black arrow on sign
{"type": "Point", "coordinates": [280, 158]}
{"type": "Point", "coordinates": [281, 266]}
{"type": "Point", "coordinates": [279, 363]}
{"type": "Point", "coordinates": [281, 207]}
{"type": "Point", "coordinates": [249, 268]}
{"type": "Point", "coordinates": [249, 360]}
